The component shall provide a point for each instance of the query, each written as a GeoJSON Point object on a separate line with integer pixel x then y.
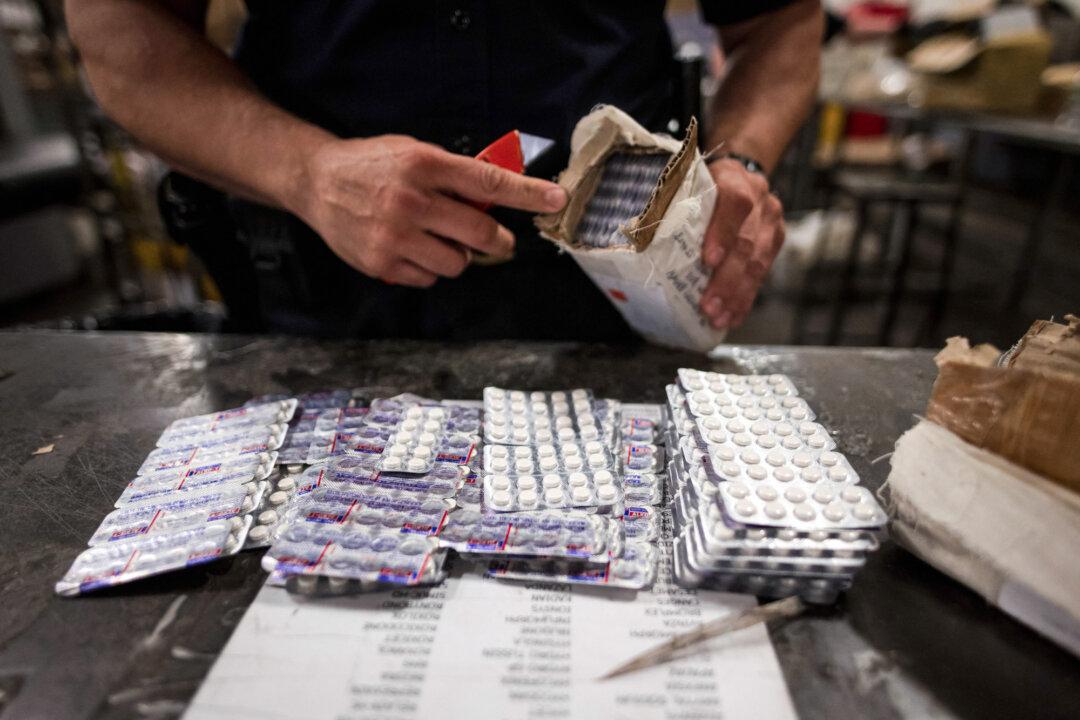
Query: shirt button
{"type": "Point", "coordinates": [460, 19]}
{"type": "Point", "coordinates": [462, 145]}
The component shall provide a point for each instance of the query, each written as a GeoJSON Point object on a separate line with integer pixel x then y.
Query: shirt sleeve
{"type": "Point", "coordinates": [727, 12]}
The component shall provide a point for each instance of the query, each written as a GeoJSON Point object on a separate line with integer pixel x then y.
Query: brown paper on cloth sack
{"type": "Point", "coordinates": [1002, 530]}
{"type": "Point", "coordinates": [1027, 410]}
{"type": "Point", "coordinates": [656, 284]}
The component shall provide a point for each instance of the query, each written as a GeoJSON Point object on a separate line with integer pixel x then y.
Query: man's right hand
{"type": "Point", "coordinates": [396, 209]}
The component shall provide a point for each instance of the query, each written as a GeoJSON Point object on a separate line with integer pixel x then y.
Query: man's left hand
{"type": "Point", "coordinates": [741, 242]}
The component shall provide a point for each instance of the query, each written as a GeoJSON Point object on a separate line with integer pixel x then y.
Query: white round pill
{"type": "Point", "coordinates": [498, 464]}
{"type": "Point", "coordinates": [783, 429]}
{"type": "Point", "coordinates": [828, 459]}
{"type": "Point", "coordinates": [496, 420]}
{"type": "Point", "coordinates": [603, 477]}
{"type": "Point", "coordinates": [521, 436]}
{"type": "Point", "coordinates": [566, 434]}
{"type": "Point", "coordinates": [527, 498]}
{"type": "Point", "coordinates": [268, 517]}
{"type": "Point", "coordinates": [712, 423]}
{"type": "Point", "coordinates": [594, 446]}
{"type": "Point", "coordinates": [749, 457]}
{"type": "Point", "coordinates": [864, 512]}
{"type": "Point", "coordinates": [572, 462]}
{"type": "Point", "coordinates": [431, 425]}
{"type": "Point", "coordinates": [742, 439]}
{"type": "Point", "coordinates": [278, 498]}
{"type": "Point", "coordinates": [558, 396]}
{"type": "Point", "coordinates": [552, 481]}
{"type": "Point", "coordinates": [774, 414]}
{"type": "Point", "coordinates": [766, 492]}
{"type": "Point", "coordinates": [259, 533]}
{"type": "Point", "coordinates": [804, 512]}
{"type": "Point", "coordinates": [417, 465]}
{"type": "Point", "coordinates": [801, 459]}
{"type": "Point", "coordinates": [500, 498]}
{"type": "Point", "coordinates": [414, 412]}
{"type": "Point", "coordinates": [409, 426]}
{"type": "Point", "coordinates": [792, 442]}
{"type": "Point", "coordinates": [578, 479]}
{"type": "Point", "coordinates": [563, 422]}
{"type": "Point", "coordinates": [731, 469]}
{"type": "Point", "coordinates": [542, 423]}
{"type": "Point", "coordinates": [498, 451]}
{"type": "Point", "coordinates": [807, 428]}
{"type": "Point", "coordinates": [422, 452]}
{"type": "Point", "coordinates": [756, 472]}
{"type": "Point", "coordinates": [597, 460]}
{"type": "Point", "coordinates": [539, 408]}
{"type": "Point", "coordinates": [499, 482]}
{"type": "Point", "coordinates": [775, 510]}
{"type": "Point", "coordinates": [795, 495]}
{"type": "Point", "coordinates": [554, 496]}
{"type": "Point", "coordinates": [392, 463]}
{"type": "Point", "coordinates": [546, 451]}
{"type": "Point", "coordinates": [756, 534]}
{"type": "Point", "coordinates": [775, 458]}
{"type": "Point", "coordinates": [523, 465]}
{"type": "Point", "coordinates": [526, 482]}
{"type": "Point", "coordinates": [834, 512]}
{"type": "Point", "coordinates": [736, 426]}
{"type": "Point", "coordinates": [589, 432]}
{"type": "Point", "coordinates": [824, 495]}
{"type": "Point", "coordinates": [767, 441]}
{"type": "Point", "coordinates": [745, 508]}
{"type": "Point", "coordinates": [737, 490]}
{"type": "Point", "coordinates": [569, 448]}
{"type": "Point", "coordinates": [519, 421]}
{"type": "Point", "coordinates": [722, 532]}
{"type": "Point", "coordinates": [811, 474]}
{"type": "Point", "coordinates": [427, 438]}
{"type": "Point", "coordinates": [725, 454]}
{"type": "Point", "coordinates": [784, 474]}
{"type": "Point", "coordinates": [606, 493]}
{"type": "Point", "coordinates": [716, 436]}
{"type": "Point", "coordinates": [818, 441]}
{"type": "Point", "coordinates": [851, 495]}
{"type": "Point", "coordinates": [286, 483]}
{"type": "Point", "coordinates": [746, 402]}
{"type": "Point", "coordinates": [547, 464]}
{"type": "Point", "coordinates": [797, 413]}
{"type": "Point", "coordinates": [398, 450]}
{"type": "Point", "coordinates": [838, 474]}
{"type": "Point", "coordinates": [580, 494]}
{"type": "Point", "coordinates": [760, 428]}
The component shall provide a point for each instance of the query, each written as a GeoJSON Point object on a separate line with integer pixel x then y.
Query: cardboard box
{"type": "Point", "coordinates": [1001, 74]}
{"type": "Point", "coordinates": [656, 282]}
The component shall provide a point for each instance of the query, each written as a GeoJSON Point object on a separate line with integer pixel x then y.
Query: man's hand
{"type": "Point", "coordinates": [395, 208]}
{"type": "Point", "coordinates": [741, 242]}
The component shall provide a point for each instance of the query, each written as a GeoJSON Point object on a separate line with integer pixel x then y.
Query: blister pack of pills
{"type": "Point", "coordinates": [533, 534]}
{"type": "Point", "coordinates": [515, 417]}
{"type": "Point", "coordinates": [236, 419]}
{"type": "Point", "coordinates": [640, 524]}
{"type": "Point", "coordinates": [563, 457]}
{"type": "Point", "coordinates": [189, 504]}
{"type": "Point", "coordinates": [260, 447]}
{"type": "Point", "coordinates": [634, 569]}
{"type": "Point", "coordinates": [196, 478]}
{"type": "Point", "coordinates": [138, 520]}
{"type": "Point", "coordinates": [118, 563]}
{"type": "Point", "coordinates": [513, 493]}
{"type": "Point", "coordinates": [355, 552]}
{"type": "Point", "coordinates": [761, 499]}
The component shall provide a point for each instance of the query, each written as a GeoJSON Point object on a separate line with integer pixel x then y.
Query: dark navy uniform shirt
{"type": "Point", "coordinates": [461, 73]}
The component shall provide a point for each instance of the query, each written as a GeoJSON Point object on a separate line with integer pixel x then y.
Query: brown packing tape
{"type": "Point", "coordinates": [582, 176]}
{"type": "Point", "coordinates": [1028, 411]}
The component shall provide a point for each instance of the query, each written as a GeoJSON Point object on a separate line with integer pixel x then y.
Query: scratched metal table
{"type": "Point", "coordinates": [905, 642]}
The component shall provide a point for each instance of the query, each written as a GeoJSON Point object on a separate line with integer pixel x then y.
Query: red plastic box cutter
{"type": "Point", "coordinates": [513, 151]}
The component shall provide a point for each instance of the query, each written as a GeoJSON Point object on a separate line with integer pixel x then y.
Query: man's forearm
{"type": "Point", "coordinates": [161, 80]}
{"type": "Point", "coordinates": [770, 81]}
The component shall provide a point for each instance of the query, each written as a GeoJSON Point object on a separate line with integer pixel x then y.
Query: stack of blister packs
{"type": "Point", "coordinates": [566, 489]}
{"type": "Point", "coordinates": [761, 500]}
{"type": "Point", "coordinates": [192, 500]}
{"type": "Point", "coordinates": [570, 490]}
{"type": "Point", "coordinates": [368, 510]}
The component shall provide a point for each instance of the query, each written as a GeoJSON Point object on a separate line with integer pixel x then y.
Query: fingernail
{"type": "Point", "coordinates": [722, 320]}
{"type": "Point", "coordinates": [712, 306]}
{"type": "Point", "coordinates": [555, 198]}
